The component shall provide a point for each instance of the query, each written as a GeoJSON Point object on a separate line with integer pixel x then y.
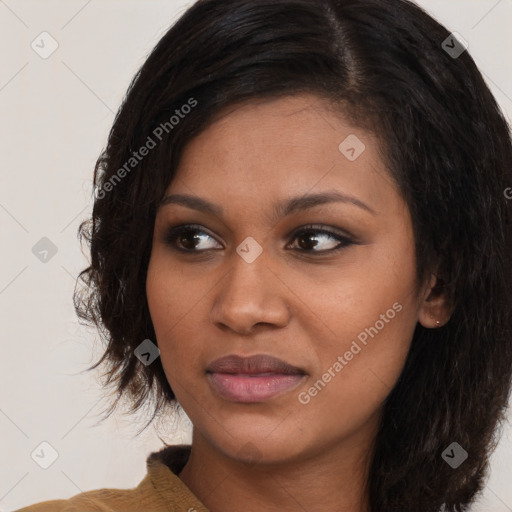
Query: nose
{"type": "Point", "coordinates": [248, 295]}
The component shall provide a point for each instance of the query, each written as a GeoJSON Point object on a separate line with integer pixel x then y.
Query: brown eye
{"type": "Point", "coordinates": [187, 238]}
{"type": "Point", "coordinates": [312, 239]}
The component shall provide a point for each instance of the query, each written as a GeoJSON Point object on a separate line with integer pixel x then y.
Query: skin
{"type": "Point", "coordinates": [293, 301]}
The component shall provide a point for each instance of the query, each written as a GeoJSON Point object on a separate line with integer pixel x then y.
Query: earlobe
{"type": "Point", "coordinates": [429, 321]}
{"type": "Point", "coordinates": [435, 311]}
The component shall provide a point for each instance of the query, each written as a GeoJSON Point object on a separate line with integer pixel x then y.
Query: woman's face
{"type": "Point", "coordinates": [336, 300]}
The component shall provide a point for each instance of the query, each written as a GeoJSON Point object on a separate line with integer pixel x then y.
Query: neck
{"type": "Point", "coordinates": [333, 481]}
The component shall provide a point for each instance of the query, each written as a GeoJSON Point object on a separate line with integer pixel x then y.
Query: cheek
{"type": "Point", "coordinates": [176, 307]}
{"type": "Point", "coordinates": [370, 333]}
{"type": "Point", "coordinates": [357, 371]}
{"type": "Point", "coordinates": [171, 295]}
{"type": "Point", "coordinates": [371, 314]}
{"type": "Point", "coordinates": [159, 296]}
{"type": "Point", "coordinates": [166, 306]}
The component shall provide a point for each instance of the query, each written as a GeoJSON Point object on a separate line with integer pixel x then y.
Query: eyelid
{"type": "Point", "coordinates": [335, 232]}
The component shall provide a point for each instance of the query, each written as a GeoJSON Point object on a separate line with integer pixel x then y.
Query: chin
{"type": "Point", "coordinates": [260, 449]}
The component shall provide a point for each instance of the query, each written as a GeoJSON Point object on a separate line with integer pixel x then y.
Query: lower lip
{"type": "Point", "coordinates": [252, 388]}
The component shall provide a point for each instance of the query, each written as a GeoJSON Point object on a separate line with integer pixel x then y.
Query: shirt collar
{"type": "Point", "coordinates": [163, 468]}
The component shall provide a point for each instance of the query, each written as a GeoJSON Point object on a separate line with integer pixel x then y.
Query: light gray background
{"type": "Point", "coordinates": [56, 114]}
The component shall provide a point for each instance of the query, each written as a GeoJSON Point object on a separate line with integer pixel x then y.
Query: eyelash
{"type": "Point", "coordinates": [173, 233]}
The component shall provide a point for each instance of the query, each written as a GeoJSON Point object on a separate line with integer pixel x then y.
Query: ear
{"type": "Point", "coordinates": [435, 310]}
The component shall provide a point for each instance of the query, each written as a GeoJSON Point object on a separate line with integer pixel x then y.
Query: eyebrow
{"type": "Point", "coordinates": [281, 209]}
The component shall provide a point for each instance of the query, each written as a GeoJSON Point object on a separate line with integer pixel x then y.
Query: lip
{"type": "Point", "coordinates": [252, 379]}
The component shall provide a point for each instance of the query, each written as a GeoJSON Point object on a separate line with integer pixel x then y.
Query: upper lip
{"type": "Point", "coordinates": [259, 363]}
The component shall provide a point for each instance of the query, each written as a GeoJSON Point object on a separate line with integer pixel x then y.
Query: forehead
{"type": "Point", "coordinates": [269, 149]}
{"type": "Point", "coordinates": [306, 123]}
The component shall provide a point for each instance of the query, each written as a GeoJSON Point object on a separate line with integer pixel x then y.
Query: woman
{"type": "Point", "coordinates": [302, 235]}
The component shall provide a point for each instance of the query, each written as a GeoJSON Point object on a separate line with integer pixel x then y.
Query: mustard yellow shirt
{"type": "Point", "coordinates": [160, 491]}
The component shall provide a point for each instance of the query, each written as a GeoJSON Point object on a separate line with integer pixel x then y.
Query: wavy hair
{"type": "Point", "coordinates": [446, 145]}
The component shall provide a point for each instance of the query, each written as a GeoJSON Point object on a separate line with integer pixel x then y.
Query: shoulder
{"type": "Point", "coordinates": [160, 491]}
{"type": "Point", "coordinates": [46, 506]}
{"type": "Point", "coordinates": [143, 497]}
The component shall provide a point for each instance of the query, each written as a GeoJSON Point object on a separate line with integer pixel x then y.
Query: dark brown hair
{"type": "Point", "coordinates": [448, 148]}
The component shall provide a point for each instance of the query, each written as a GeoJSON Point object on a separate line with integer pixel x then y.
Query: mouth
{"type": "Point", "coordinates": [252, 379]}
